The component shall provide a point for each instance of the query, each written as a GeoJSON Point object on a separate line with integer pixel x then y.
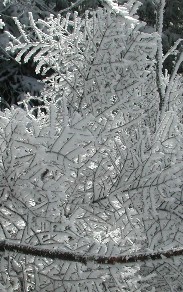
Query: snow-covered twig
{"type": "Point", "coordinates": [159, 55]}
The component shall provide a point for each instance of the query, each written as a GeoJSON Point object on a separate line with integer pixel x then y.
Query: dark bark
{"type": "Point", "coordinates": [74, 257]}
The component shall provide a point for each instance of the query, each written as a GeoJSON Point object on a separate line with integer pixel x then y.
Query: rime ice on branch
{"type": "Point", "coordinates": [95, 170]}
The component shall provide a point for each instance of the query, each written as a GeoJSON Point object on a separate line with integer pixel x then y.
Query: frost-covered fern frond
{"type": "Point", "coordinates": [60, 32]}
{"type": "Point", "coordinates": [95, 59]}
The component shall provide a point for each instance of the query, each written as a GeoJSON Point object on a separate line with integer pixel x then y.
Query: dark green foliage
{"type": "Point", "coordinates": [61, 4]}
{"type": "Point", "coordinates": [147, 12]}
{"type": "Point", "coordinates": [174, 16]}
{"type": "Point", "coordinates": [82, 5]}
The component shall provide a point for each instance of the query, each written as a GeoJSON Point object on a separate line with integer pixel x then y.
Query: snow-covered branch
{"type": "Point", "coordinates": [159, 55]}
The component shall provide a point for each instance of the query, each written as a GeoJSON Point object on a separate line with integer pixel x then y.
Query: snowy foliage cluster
{"type": "Point", "coordinates": [19, 78]}
{"type": "Point", "coordinates": [94, 175]}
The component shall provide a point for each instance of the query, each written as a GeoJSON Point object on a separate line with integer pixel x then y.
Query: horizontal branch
{"type": "Point", "coordinates": [73, 257]}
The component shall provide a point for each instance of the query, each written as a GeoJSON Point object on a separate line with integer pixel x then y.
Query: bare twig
{"type": "Point", "coordinates": [74, 257]}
